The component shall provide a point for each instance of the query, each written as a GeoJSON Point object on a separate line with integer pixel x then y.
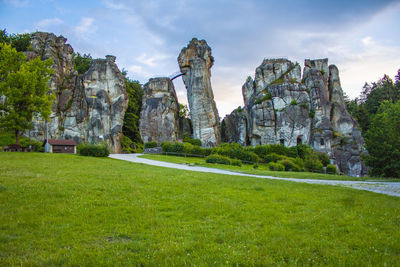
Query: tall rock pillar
{"type": "Point", "coordinates": [195, 62]}
{"type": "Point", "coordinates": [159, 118]}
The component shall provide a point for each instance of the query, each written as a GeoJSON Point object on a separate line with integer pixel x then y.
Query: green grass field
{"type": "Point", "coordinates": [70, 210]}
{"type": "Point", "coordinates": [262, 169]}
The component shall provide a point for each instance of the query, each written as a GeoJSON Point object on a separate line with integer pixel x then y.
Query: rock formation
{"type": "Point", "coordinates": [195, 62]}
{"type": "Point", "coordinates": [281, 106]}
{"type": "Point", "coordinates": [89, 107]}
{"type": "Point", "coordinates": [160, 111]}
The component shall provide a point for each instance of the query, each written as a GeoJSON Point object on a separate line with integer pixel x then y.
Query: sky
{"type": "Point", "coordinates": [362, 38]}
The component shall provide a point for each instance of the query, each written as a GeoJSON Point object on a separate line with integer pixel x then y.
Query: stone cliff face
{"type": "Point", "coordinates": [281, 106]}
{"type": "Point", "coordinates": [89, 107]}
{"type": "Point", "coordinates": [195, 62]}
{"type": "Point", "coordinates": [160, 111]}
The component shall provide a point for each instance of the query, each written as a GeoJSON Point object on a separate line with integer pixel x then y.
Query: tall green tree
{"type": "Point", "coordinates": [21, 42]}
{"type": "Point", "coordinates": [364, 108]}
{"type": "Point", "coordinates": [23, 90]}
{"type": "Point", "coordinates": [383, 141]}
{"type": "Point", "coordinates": [132, 115]}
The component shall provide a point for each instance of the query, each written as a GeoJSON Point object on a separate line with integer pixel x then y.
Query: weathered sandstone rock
{"type": "Point", "coordinates": [195, 62]}
{"type": "Point", "coordinates": [283, 107]}
{"type": "Point", "coordinates": [160, 111]}
{"type": "Point", "coordinates": [89, 107]}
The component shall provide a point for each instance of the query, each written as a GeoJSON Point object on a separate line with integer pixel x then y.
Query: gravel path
{"type": "Point", "coordinates": [387, 188]}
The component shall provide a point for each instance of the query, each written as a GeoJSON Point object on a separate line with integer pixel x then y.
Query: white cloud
{"type": "Point", "coordinates": [151, 61]}
{"type": "Point", "coordinates": [47, 23]}
{"type": "Point", "coordinates": [85, 26]}
{"type": "Point", "coordinates": [115, 6]}
{"type": "Point", "coordinates": [367, 41]}
{"type": "Point", "coordinates": [136, 71]}
{"type": "Point", "coordinates": [17, 3]}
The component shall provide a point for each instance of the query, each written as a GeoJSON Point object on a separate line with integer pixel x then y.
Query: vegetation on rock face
{"type": "Point", "coordinates": [130, 130]}
{"type": "Point", "coordinates": [81, 62]}
{"type": "Point", "coordinates": [183, 111]}
{"type": "Point", "coordinates": [377, 114]}
{"type": "Point", "coordinates": [23, 90]}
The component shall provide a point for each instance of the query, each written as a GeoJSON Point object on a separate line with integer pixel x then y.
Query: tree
{"type": "Point", "coordinates": [363, 109]}
{"type": "Point", "coordinates": [130, 127]}
{"type": "Point", "coordinates": [21, 42]}
{"type": "Point", "coordinates": [81, 62]}
{"type": "Point", "coordinates": [383, 141]}
{"type": "Point", "coordinates": [24, 90]}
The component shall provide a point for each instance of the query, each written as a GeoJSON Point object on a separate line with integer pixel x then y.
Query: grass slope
{"type": "Point", "coordinates": [262, 169]}
{"type": "Point", "coordinates": [71, 210]}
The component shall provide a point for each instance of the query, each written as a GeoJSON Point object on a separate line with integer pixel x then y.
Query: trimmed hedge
{"type": "Point", "coordinates": [235, 151]}
{"type": "Point", "coordinates": [185, 148]}
{"type": "Point", "coordinates": [215, 158]}
{"type": "Point", "coordinates": [93, 150]}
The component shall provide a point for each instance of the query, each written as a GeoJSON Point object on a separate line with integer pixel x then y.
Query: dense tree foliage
{"type": "Point", "coordinates": [21, 42]}
{"type": "Point", "coordinates": [383, 141]}
{"type": "Point", "coordinates": [23, 90]}
{"type": "Point", "coordinates": [364, 108]}
{"type": "Point", "coordinates": [377, 113]}
{"type": "Point", "coordinates": [81, 62]}
{"type": "Point", "coordinates": [132, 142]}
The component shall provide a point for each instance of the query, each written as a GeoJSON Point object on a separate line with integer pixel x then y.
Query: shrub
{"type": "Point", "coordinates": [299, 162]}
{"type": "Point", "coordinates": [264, 150]}
{"type": "Point", "coordinates": [313, 164]}
{"type": "Point", "coordinates": [289, 165]}
{"type": "Point", "coordinates": [93, 150]}
{"type": "Point", "coordinates": [185, 148]}
{"type": "Point", "coordinates": [235, 151]}
{"type": "Point", "coordinates": [324, 158]}
{"type": "Point", "coordinates": [195, 142]}
{"type": "Point", "coordinates": [188, 148]}
{"type": "Point", "coordinates": [276, 166]}
{"type": "Point", "coordinates": [37, 146]}
{"type": "Point", "coordinates": [272, 157]}
{"type": "Point", "coordinates": [236, 162]}
{"type": "Point", "coordinates": [150, 144]}
{"type": "Point", "coordinates": [215, 158]}
{"type": "Point", "coordinates": [331, 169]}
{"type": "Point", "coordinates": [303, 151]}
{"type": "Point", "coordinates": [292, 152]}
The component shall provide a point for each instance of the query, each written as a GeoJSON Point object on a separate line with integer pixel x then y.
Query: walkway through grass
{"type": "Point", "coordinates": [66, 209]}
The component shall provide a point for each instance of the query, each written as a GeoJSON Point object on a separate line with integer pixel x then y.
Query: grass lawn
{"type": "Point", "coordinates": [69, 210]}
{"type": "Point", "coordinates": [262, 169]}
